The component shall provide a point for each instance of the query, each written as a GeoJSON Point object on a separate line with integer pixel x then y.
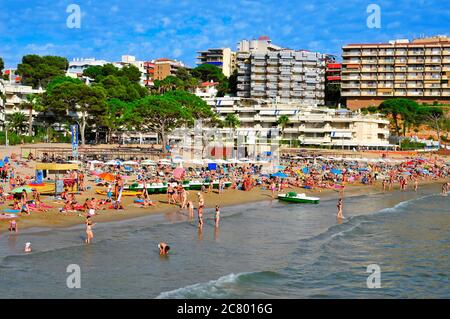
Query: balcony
{"type": "Point", "coordinates": [351, 93]}
{"type": "Point", "coordinates": [400, 85]}
{"type": "Point", "coordinates": [432, 52]}
{"type": "Point", "coordinates": [416, 52]}
{"type": "Point", "coordinates": [272, 70]}
{"type": "Point", "coordinates": [386, 53]}
{"type": "Point", "coordinates": [350, 86]}
{"type": "Point", "coordinates": [243, 78]}
{"type": "Point", "coordinates": [243, 87]}
{"type": "Point", "coordinates": [383, 69]}
{"type": "Point", "coordinates": [259, 77]}
{"type": "Point", "coordinates": [369, 53]}
{"type": "Point", "coordinates": [371, 70]}
{"type": "Point", "coordinates": [400, 61]}
{"type": "Point", "coordinates": [258, 70]}
{"type": "Point", "coordinates": [369, 78]}
{"type": "Point", "coordinates": [272, 62]}
{"type": "Point", "coordinates": [432, 61]}
{"type": "Point", "coordinates": [415, 77]}
{"type": "Point", "coordinates": [386, 61]}
{"type": "Point", "coordinates": [372, 61]}
{"type": "Point", "coordinates": [432, 93]}
{"type": "Point", "coordinates": [351, 53]}
{"type": "Point", "coordinates": [416, 61]}
{"type": "Point", "coordinates": [259, 63]}
{"type": "Point", "coordinates": [412, 93]}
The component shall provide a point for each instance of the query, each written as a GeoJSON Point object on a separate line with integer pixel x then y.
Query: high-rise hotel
{"type": "Point", "coordinates": [269, 72]}
{"type": "Point", "coordinates": [418, 70]}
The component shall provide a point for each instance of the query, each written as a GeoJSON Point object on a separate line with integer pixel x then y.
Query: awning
{"type": "Point", "coordinates": [56, 167]}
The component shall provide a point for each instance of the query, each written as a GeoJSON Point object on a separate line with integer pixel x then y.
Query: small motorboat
{"type": "Point", "coordinates": [293, 197]}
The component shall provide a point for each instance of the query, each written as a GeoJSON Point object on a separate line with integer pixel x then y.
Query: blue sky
{"type": "Point", "coordinates": [178, 28]}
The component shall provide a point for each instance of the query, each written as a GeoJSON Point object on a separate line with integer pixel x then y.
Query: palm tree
{"type": "Point", "coordinates": [232, 121]}
{"type": "Point", "coordinates": [282, 121]}
{"type": "Point", "coordinates": [32, 103]}
{"type": "Point", "coordinates": [18, 122]}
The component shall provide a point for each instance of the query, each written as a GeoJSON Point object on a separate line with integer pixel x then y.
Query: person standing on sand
{"type": "Point", "coordinates": [416, 184]}
{"type": "Point", "coordinates": [384, 184]}
{"type": "Point", "coordinates": [340, 206]}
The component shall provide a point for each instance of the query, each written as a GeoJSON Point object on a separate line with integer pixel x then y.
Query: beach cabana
{"type": "Point", "coordinates": [56, 169]}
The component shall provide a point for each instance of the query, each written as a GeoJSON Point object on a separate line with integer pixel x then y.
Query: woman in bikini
{"type": "Point", "coordinates": [89, 232]}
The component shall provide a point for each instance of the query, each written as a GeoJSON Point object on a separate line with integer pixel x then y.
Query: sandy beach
{"type": "Point", "coordinates": [54, 219]}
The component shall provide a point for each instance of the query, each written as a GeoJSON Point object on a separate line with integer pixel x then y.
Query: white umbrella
{"type": "Point", "coordinates": [148, 162]}
{"type": "Point", "coordinates": [197, 162]}
{"type": "Point", "coordinates": [221, 161]}
{"type": "Point", "coordinates": [113, 162]}
{"type": "Point", "coordinates": [130, 163]}
{"type": "Point", "coordinates": [178, 160]}
{"type": "Point", "coordinates": [96, 162]}
{"type": "Point", "coordinates": [164, 162]}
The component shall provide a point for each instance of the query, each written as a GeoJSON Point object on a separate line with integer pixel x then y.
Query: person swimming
{"type": "Point", "coordinates": [27, 248]}
{"type": "Point", "coordinates": [163, 249]}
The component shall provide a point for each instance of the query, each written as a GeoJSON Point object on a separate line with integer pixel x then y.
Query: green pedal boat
{"type": "Point", "coordinates": [293, 197]}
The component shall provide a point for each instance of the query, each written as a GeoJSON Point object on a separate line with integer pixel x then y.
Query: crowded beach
{"type": "Point", "coordinates": [117, 189]}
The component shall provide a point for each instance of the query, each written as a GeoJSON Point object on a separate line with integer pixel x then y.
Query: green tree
{"type": "Point", "coordinates": [283, 121]}
{"type": "Point", "coordinates": [2, 66]}
{"type": "Point", "coordinates": [160, 114]}
{"type": "Point", "coordinates": [118, 116]}
{"type": "Point", "coordinates": [196, 106]}
{"type": "Point", "coordinates": [232, 121]}
{"type": "Point", "coordinates": [208, 72]}
{"type": "Point", "coordinates": [77, 102]}
{"type": "Point", "coordinates": [17, 123]}
{"type": "Point", "coordinates": [398, 109]}
{"type": "Point", "coordinates": [232, 83]}
{"type": "Point", "coordinates": [38, 70]}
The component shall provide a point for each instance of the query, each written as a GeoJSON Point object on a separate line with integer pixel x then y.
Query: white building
{"type": "Point", "coordinates": [78, 65]}
{"type": "Point", "coordinates": [308, 125]}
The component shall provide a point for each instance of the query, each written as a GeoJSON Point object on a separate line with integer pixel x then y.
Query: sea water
{"type": "Point", "coordinates": [263, 250]}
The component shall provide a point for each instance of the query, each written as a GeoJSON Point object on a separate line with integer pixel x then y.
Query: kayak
{"type": "Point", "coordinates": [293, 197]}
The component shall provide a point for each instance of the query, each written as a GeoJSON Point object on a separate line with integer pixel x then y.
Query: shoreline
{"type": "Point", "coordinates": [55, 220]}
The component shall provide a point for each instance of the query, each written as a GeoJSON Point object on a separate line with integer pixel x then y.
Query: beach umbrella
{"type": "Point", "coordinates": [107, 177]}
{"type": "Point", "coordinates": [279, 174]}
{"type": "Point", "coordinates": [164, 162]}
{"type": "Point", "coordinates": [96, 162]}
{"type": "Point", "coordinates": [113, 162]}
{"type": "Point", "coordinates": [21, 189]}
{"type": "Point", "coordinates": [148, 162]}
{"type": "Point", "coordinates": [178, 160]}
{"type": "Point", "coordinates": [178, 172]}
{"type": "Point", "coordinates": [130, 163]}
{"type": "Point", "coordinates": [336, 171]}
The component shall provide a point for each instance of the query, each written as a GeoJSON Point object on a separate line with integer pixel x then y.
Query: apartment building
{"type": "Point", "coordinates": [164, 67]}
{"type": "Point", "coordinates": [269, 72]}
{"type": "Point", "coordinates": [14, 94]}
{"type": "Point", "coordinates": [78, 65]}
{"type": "Point", "coordinates": [223, 58]}
{"type": "Point", "coordinates": [417, 69]}
{"type": "Point", "coordinates": [131, 60]}
{"type": "Point", "coordinates": [310, 126]}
